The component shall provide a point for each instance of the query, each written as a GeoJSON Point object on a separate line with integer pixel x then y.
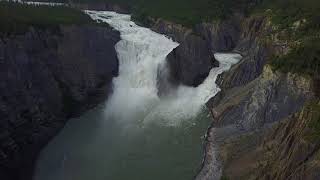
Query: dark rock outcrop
{"type": "Point", "coordinates": [191, 62]}
{"type": "Point", "coordinates": [46, 77]}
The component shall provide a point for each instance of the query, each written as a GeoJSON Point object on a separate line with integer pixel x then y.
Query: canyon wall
{"type": "Point", "coordinates": [46, 77]}
{"type": "Point", "coordinates": [261, 116]}
{"type": "Point", "coordinates": [258, 116]}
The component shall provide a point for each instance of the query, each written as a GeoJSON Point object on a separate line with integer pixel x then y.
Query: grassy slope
{"type": "Point", "coordinates": [16, 18]}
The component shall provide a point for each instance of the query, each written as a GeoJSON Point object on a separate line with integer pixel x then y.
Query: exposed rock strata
{"type": "Point", "coordinates": [290, 149]}
{"type": "Point", "coordinates": [47, 76]}
{"type": "Point", "coordinates": [243, 114]}
{"type": "Point", "coordinates": [254, 103]}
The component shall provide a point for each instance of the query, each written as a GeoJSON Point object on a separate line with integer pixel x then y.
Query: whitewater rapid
{"type": "Point", "coordinates": [141, 52]}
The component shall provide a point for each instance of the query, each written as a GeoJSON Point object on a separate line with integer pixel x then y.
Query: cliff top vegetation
{"type": "Point", "coordinates": [297, 23]}
{"type": "Point", "coordinates": [17, 18]}
{"type": "Point", "coordinates": [186, 12]}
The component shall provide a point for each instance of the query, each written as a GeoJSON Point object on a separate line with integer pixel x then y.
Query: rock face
{"type": "Point", "coordinates": [254, 125]}
{"type": "Point", "coordinates": [267, 99]}
{"type": "Point", "coordinates": [254, 52]}
{"type": "Point", "coordinates": [191, 62]}
{"type": "Point", "coordinates": [290, 149]}
{"type": "Point", "coordinates": [242, 111]}
{"type": "Point", "coordinates": [46, 77]}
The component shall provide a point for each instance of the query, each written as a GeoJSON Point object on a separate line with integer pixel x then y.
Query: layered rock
{"type": "Point", "coordinates": [253, 102]}
{"type": "Point", "coordinates": [243, 114]}
{"type": "Point", "coordinates": [255, 53]}
{"type": "Point", "coordinates": [48, 76]}
{"type": "Point", "coordinates": [290, 149]}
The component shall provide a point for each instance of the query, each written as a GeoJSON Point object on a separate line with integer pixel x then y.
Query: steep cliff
{"type": "Point", "coordinates": [47, 76]}
{"type": "Point", "coordinates": [191, 61]}
{"type": "Point", "coordinates": [256, 102]}
{"type": "Point", "coordinates": [288, 150]}
{"type": "Point", "coordinates": [255, 134]}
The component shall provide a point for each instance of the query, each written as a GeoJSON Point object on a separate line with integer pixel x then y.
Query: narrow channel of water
{"type": "Point", "coordinates": [135, 135]}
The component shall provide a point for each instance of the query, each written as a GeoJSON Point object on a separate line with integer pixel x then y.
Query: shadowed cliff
{"type": "Point", "coordinates": [48, 76]}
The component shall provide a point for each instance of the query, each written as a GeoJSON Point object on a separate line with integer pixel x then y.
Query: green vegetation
{"type": "Point", "coordinates": [297, 23]}
{"type": "Point", "coordinates": [303, 59]}
{"type": "Point", "coordinates": [315, 124]}
{"type": "Point", "coordinates": [224, 177]}
{"type": "Point", "coordinates": [17, 18]}
{"type": "Point", "coordinates": [313, 109]}
{"type": "Point", "coordinates": [186, 12]}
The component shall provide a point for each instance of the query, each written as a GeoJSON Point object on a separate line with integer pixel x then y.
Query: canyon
{"type": "Point", "coordinates": [261, 118]}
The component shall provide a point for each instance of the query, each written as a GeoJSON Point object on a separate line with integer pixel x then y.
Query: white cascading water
{"type": "Point", "coordinates": [136, 135]}
{"type": "Point", "coordinates": [141, 51]}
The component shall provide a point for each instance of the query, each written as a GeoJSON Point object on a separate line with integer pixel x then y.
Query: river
{"type": "Point", "coordinates": [136, 134]}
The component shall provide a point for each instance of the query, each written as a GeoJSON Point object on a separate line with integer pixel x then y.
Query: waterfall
{"type": "Point", "coordinates": [141, 52]}
{"type": "Point", "coordinates": [136, 134]}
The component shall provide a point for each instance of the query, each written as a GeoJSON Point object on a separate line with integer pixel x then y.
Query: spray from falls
{"type": "Point", "coordinates": [141, 52]}
{"type": "Point", "coordinates": [137, 134]}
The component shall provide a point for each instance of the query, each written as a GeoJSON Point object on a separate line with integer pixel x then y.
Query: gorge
{"type": "Point", "coordinates": [136, 134]}
{"type": "Point", "coordinates": [151, 97]}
